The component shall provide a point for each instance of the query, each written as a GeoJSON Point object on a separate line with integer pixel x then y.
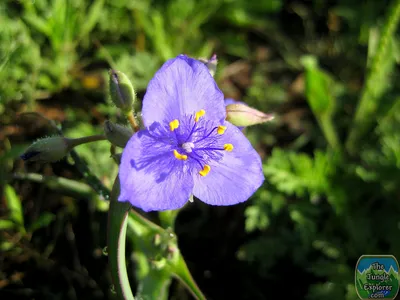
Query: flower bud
{"type": "Point", "coordinates": [211, 64]}
{"type": "Point", "coordinates": [242, 115]}
{"type": "Point", "coordinates": [116, 134]}
{"type": "Point", "coordinates": [121, 90]}
{"type": "Point", "coordinates": [50, 149]}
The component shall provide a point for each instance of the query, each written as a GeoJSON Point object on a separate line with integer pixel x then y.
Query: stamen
{"type": "Point", "coordinates": [205, 170]}
{"type": "Point", "coordinates": [228, 147]}
{"type": "Point", "coordinates": [180, 156]}
{"type": "Point", "coordinates": [173, 125]}
{"type": "Point", "coordinates": [199, 114]}
{"type": "Point", "coordinates": [221, 129]}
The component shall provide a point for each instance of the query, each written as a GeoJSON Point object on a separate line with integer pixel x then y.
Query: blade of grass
{"type": "Point", "coordinates": [91, 18]}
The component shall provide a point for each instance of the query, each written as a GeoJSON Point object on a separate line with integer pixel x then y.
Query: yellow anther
{"type": "Point", "coordinates": [173, 125]}
{"type": "Point", "coordinates": [205, 170]}
{"type": "Point", "coordinates": [221, 129]}
{"type": "Point", "coordinates": [228, 147]}
{"type": "Point", "coordinates": [199, 114]}
{"type": "Point", "coordinates": [180, 156]}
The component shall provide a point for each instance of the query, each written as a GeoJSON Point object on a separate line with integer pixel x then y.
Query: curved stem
{"type": "Point", "coordinates": [117, 225]}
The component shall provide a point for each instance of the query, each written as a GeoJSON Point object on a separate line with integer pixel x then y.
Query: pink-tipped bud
{"type": "Point", "coordinates": [243, 115]}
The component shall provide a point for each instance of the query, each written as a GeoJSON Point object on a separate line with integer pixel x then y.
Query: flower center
{"type": "Point", "coordinates": [199, 142]}
{"type": "Point", "coordinates": [188, 147]}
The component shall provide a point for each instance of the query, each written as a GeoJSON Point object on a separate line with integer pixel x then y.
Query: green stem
{"type": "Point", "coordinates": [90, 178]}
{"type": "Point", "coordinates": [329, 131]}
{"type": "Point", "coordinates": [118, 216]}
{"type": "Point", "coordinates": [86, 139]}
{"type": "Point", "coordinates": [167, 218]}
{"type": "Point", "coordinates": [80, 164]}
{"type": "Point", "coordinates": [368, 103]}
{"type": "Point", "coordinates": [152, 274]}
{"type": "Point", "coordinates": [155, 285]}
{"type": "Point", "coordinates": [117, 225]}
{"type": "Point", "coordinates": [177, 267]}
{"type": "Point", "coordinates": [58, 183]}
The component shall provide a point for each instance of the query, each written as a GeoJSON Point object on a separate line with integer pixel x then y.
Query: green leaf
{"type": "Point", "coordinates": [158, 258]}
{"type": "Point", "coordinates": [6, 246]}
{"type": "Point", "coordinates": [181, 271]}
{"type": "Point", "coordinates": [255, 218]}
{"type": "Point", "coordinates": [318, 87]}
{"type": "Point", "coordinates": [320, 92]}
{"type": "Point", "coordinates": [6, 224]}
{"type": "Point", "coordinates": [15, 207]}
{"type": "Point", "coordinates": [160, 36]}
{"type": "Point", "coordinates": [155, 284]}
{"type": "Point", "coordinates": [151, 244]}
{"type": "Point", "coordinates": [279, 170]}
{"type": "Point", "coordinates": [59, 24]}
{"type": "Point", "coordinates": [167, 218]}
{"type": "Point", "coordinates": [327, 248]}
{"type": "Point", "coordinates": [92, 17]}
{"type": "Point", "coordinates": [300, 174]}
{"type": "Point", "coordinates": [39, 24]}
{"type": "Point", "coordinates": [43, 221]}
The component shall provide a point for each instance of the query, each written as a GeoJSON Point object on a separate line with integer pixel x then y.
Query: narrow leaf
{"type": "Point", "coordinates": [43, 221]}
{"type": "Point", "coordinates": [318, 88]}
{"type": "Point", "coordinates": [6, 224]}
{"type": "Point", "coordinates": [181, 271]}
{"type": "Point", "coordinates": [39, 24]}
{"type": "Point", "coordinates": [14, 207]}
{"type": "Point", "coordinates": [92, 18]}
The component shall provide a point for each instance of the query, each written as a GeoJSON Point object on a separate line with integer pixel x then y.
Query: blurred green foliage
{"type": "Point", "coordinates": [313, 63]}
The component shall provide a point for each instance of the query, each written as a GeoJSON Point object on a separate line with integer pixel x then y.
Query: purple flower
{"type": "Point", "coordinates": [187, 147]}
